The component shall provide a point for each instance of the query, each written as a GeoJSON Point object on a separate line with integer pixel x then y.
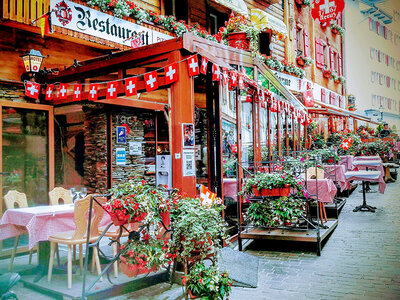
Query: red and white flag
{"type": "Point", "coordinates": [206, 196]}
{"type": "Point", "coordinates": [216, 72]}
{"type": "Point", "coordinates": [77, 94]}
{"type": "Point", "coordinates": [49, 92]}
{"type": "Point", "coordinates": [346, 143]}
{"type": "Point", "coordinates": [112, 88]}
{"type": "Point", "coordinates": [241, 81]}
{"type": "Point", "coordinates": [204, 65]}
{"type": "Point", "coordinates": [171, 73]}
{"type": "Point", "coordinates": [63, 91]}
{"type": "Point", "coordinates": [225, 76]}
{"type": "Point", "coordinates": [151, 80]}
{"type": "Point", "coordinates": [233, 79]}
{"type": "Point", "coordinates": [93, 91]}
{"type": "Point", "coordinates": [130, 87]}
{"type": "Point", "coordinates": [32, 89]}
{"type": "Point", "coordinates": [193, 65]}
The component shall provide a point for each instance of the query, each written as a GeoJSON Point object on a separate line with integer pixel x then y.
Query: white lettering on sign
{"type": "Point", "coordinates": [96, 23]}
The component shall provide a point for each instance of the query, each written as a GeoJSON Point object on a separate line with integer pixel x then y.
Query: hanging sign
{"type": "Point", "coordinates": [326, 10]}
{"type": "Point", "coordinates": [86, 20]}
{"type": "Point", "coordinates": [120, 154]}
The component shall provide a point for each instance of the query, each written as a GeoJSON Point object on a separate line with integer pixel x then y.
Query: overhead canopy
{"type": "Point", "coordinates": [237, 6]}
{"type": "Point", "coordinates": [263, 20]}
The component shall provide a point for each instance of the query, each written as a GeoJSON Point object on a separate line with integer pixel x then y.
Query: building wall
{"type": "Point", "coordinates": [361, 62]}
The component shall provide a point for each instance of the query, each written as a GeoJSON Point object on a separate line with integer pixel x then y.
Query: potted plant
{"type": "Point", "coordinates": [240, 33]}
{"type": "Point", "coordinates": [335, 76]}
{"type": "Point", "coordinates": [229, 167]}
{"type": "Point", "coordinates": [303, 2]}
{"type": "Point", "coordinates": [351, 107]}
{"type": "Point", "coordinates": [207, 282]}
{"type": "Point", "coordinates": [327, 73]}
{"type": "Point", "coordinates": [336, 29]}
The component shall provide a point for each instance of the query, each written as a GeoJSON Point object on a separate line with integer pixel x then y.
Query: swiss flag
{"type": "Point", "coordinates": [32, 89]}
{"type": "Point", "coordinates": [225, 76]}
{"type": "Point", "coordinates": [263, 104]}
{"type": "Point", "coordinates": [233, 79]}
{"type": "Point", "coordinates": [93, 91]}
{"type": "Point", "coordinates": [151, 80]}
{"type": "Point", "coordinates": [204, 65]}
{"type": "Point", "coordinates": [130, 87]}
{"type": "Point", "coordinates": [249, 96]}
{"type": "Point", "coordinates": [63, 91]}
{"type": "Point", "coordinates": [260, 95]}
{"type": "Point", "coordinates": [241, 81]}
{"type": "Point", "coordinates": [308, 98]}
{"type": "Point", "coordinates": [206, 196]}
{"type": "Point", "coordinates": [216, 72]}
{"type": "Point", "coordinates": [346, 144]}
{"type": "Point", "coordinates": [49, 92]}
{"type": "Point", "coordinates": [112, 88]}
{"type": "Point", "coordinates": [193, 65]}
{"type": "Point", "coordinates": [77, 94]}
{"type": "Point", "coordinates": [171, 73]}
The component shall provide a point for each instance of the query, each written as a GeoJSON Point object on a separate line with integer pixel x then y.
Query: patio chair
{"type": "Point", "coordinates": [59, 193]}
{"type": "Point", "coordinates": [317, 173]}
{"type": "Point", "coordinates": [78, 236]}
{"type": "Point", "coordinates": [11, 199]}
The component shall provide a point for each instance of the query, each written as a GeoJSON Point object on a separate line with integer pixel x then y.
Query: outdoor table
{"type": "Point", "coordinates": [323, 190]}
{"type": "Point", "coordinates": [338, 172]}
{"type": "Point", "coordinates": [347, 161]}
{"type": "Point", "coordinates": [365, 175]}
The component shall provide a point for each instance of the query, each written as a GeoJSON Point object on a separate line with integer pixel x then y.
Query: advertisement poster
{"type": "Point", "coordinates": [121, 135]}
{"type": "Point", "coordinates": [188, 135]}
{"type": "Point", "coordinates": [188, 163]}
{"type": "Point", "coordinates": [120, 154]}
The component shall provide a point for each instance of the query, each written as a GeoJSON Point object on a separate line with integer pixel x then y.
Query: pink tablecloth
{"type": "Point", "coordinates": [336, 173]}
{"type": "Point", "coordinates": [40, 222]}
{"type": "Point", "coordinates": [326, 189]}
{"type": "Point", "coordinates": [347, 161]}
{"type": "Point", "coordinates": [367, 176]}
{"type": "Point", "coordinates": [372, 157]}
{"type": "Point", "coordinates": [230, 188]}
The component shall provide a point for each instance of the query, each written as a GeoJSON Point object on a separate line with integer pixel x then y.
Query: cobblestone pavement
{"type": "Point", "coordinates": [361, 260]}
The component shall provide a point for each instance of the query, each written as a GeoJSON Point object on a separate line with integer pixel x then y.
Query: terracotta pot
{"type": "Point", "coordinates": [352, 109]}
{"type": "Point", "coordinates": [300, 61]}
{"type": "Point", "coordinates": [134, 270]}
{"type": "Point", "coordinates": [118, 222]}
{"type": "Point", "coordinates": [191, 296]}
{"type": "Point", "coordinates": [238, 40]}
{"type": "Point", "coordinates": [274, 192]}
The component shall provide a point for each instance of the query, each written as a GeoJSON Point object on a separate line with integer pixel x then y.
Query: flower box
{"type": "Point", "coordinates": [327, 74]}
{"type": "Point", "coordinates": [191, 296]}
{"type": "Point", "coordinates": [134, 270]}
{"type": "Point", "coordinates": [334, 31]}
{"type": "Point", "coordinates": [118, 222]}
{"type": "Point", "coordinates": [238, 40]}
{"type": "Point", "coordinates": [300, 61]}
{"type": "Point", "coordinates": [274, 192]}
{"type": "Point", "coordinates": [352, 109]}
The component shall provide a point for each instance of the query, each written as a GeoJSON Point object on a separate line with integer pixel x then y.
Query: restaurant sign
{"type": "Point", "coordinates": [293, 83]}
{"type": "Point", "coordinates": [86, 20]}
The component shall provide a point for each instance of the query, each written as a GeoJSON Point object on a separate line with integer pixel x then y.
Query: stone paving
{"type": "Point", "coordinates": [361, 260]}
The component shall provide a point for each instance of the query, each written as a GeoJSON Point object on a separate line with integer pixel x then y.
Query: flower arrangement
{"type": "Point", "coordinates": [304, 60]}
{"type": "Point", "coordinates": [351, 107]}
{"type": "Point", "coordinates": [342, 80]}
{"type": "Point", "coordinates": [304, 2]}
{"type": "Point", "coordinates": [334, 76]}
{"type": "Point", "coordinates": [335, 28]}
{"type": "Point", "coordinates": [137, 201]}
{"type": "Point", "coordinates": [327, 73]}
{"type": "Point", "coordinates": [207, 282]}
{"type": "Point", "coordinates": [273, 63]}
{"type": "Point", "coordinates": [318, 141]}
{"type": "Point", "coordinates": [382, 148]}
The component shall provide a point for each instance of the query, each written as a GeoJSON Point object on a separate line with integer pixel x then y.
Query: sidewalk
{"type": "Point", "coordinates": [361, 260]}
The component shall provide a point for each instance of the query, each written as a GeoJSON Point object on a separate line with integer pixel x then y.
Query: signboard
{"type": "Point", "coordinates": [326, 10]}
{"type": "Point", "coordinates": [293, 83]}
{"type": "Point", "coordinates": [121, 135]}
{"type": "Point", "coordinates": [135, 148]}
{"type": "Point", "coordinates": [120, 154]}
{"type": "Point", "coordinates": [188, 163]}
{"type": "Point", "coordinates": [86, 20]}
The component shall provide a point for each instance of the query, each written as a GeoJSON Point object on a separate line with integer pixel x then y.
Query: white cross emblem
{"type": "Point", "coordinates": [32, 89]}
{"type": "Point", "coordinates": [345, 145]}
{"type": "Point", "coordinates": [207, 200]}
{"type": "Point", "coordinates": [151, 81]}
{"type": "Point", "coordinates": [225, 76]}
{"type": "Point", "coordinates": [193, 65]}
{"type": "Point", "coordinates": [48, 92]}
{"type": "Point", "coordinates": [93, 92]}
{"type": "Point", "coordinates": [170, 73]}
{"type": "Point", "coordinates": [63, 91]}
{"type": "Point", "coordinates": [111, 90]}
{"type": "Point", "coordinates": [326, 6]}
{"type": "Point", "coordinates": [77, 92]}
{"type": "Point", "coordinates": [233, 78]}
{"type": "Point", "coordinates": [217, 72]}
{"type": "Point", "coordinates": [131, 86]}
{"type": "Point", "coordinates": [308, 99]}
{"type": "Point", "coordinates": [204, 64]}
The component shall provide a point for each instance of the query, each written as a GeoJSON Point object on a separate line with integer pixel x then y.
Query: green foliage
{"type": "Point", "coordinates": [382, 148]}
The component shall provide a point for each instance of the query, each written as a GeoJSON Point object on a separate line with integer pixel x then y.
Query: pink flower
{"type": "Point", "coordinates": [302, 159]}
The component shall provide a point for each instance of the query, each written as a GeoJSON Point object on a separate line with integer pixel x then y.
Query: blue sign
{"type": "Point", "coordinates": [121, 135]}
{"type": "Point", "coordinates": [120, 154]}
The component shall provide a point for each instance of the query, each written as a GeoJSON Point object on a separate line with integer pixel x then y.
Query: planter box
{"type": "Point", "coordinates": [134, 270]}
{"type": "Point", "coordinates": [238, 40]}
{"type": "Point", "coordinates": [334, 31]}
{"type": "Point", "coordinates": [274, 192]}
{"type": "Point", "coordinates": [300, 61]}
{"type": "Point", "coordinates": [118, 222]}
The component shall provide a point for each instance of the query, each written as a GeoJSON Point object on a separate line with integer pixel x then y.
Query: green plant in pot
{"type": "Point", "coordinates": [207, 282]}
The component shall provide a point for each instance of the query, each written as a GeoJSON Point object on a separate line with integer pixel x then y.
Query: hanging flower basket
{"type": "Point", "coordinates": [274, 192]}
{"type": "Point", "coordinates": [134, 270]}
{"type": "Point", "coordinates": [118, 222]}
{"type": "Point", "coordinates": [300, 61]}
{"type": "Point", "coordinates": [238, 40]}
{"type": "Point", "coordinates": [334, 30]}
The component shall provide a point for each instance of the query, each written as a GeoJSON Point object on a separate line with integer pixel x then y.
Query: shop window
{"type": "Point", "coordinates": [265, 43]}
{"type": "Point", "coordinates": [177, 8]}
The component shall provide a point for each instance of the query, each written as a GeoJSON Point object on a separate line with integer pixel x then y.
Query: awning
{"type": "Point", "coordinates": [237, 6]}
{"type": "Point", "coordinates": [263, 20]}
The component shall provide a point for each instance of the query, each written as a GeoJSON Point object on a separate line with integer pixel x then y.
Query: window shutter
{"type": "Point", "coordinates": [331, 59]}
{"type": "Point", "coordinates": [332, 98]}
{"type": "Point", "coordinates": [319, 54]}
{"type": "Point", "coordinates": [323, 95]}
{"type": "Point", "coordinates": [340, 65]}
{"type": "Point", "coordinates": [306, 43]}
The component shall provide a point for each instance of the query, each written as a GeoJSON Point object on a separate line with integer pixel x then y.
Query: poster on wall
{"type": "Point", "coordinates": [135, 148]}
{"type": "Point", "coordinates": [188, 135]}
{"type": "Point", "coordinates": [188, 163]}
{"type": "Point", "coordinates": [121, 135]}
{"type": "Point", "coordinates": [120, 154]}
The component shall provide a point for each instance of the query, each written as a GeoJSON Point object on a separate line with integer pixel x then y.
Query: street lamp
{"type": "Point", "coordinates": [32, 62]}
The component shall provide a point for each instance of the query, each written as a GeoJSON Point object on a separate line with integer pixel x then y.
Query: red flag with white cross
{"type": "Point", "coordinates": [77, 94]}
{"type": "Point", "coordinates": [193, 65]}
{"type": "Point", "coordinates": [225, 76]}
{"type": "Point", "coordinates": [346, 144]}
{"type": "Point", "coordinates": [241, 81]}
{"type": "Point", "coordinates": [49, 92]}
{"type": "Point", "coordinates": [130, 87]}
{"type": "Point", "coordinates": [151, 80]}
{"type": "Point", "coordinates": [233, 79]}
{"type": "Point", "coordinates": [308, 98]}
{"type": "Point", "coordinates": [93, 91]}
{"type": "Point", "coordinates": [112, 88]}
{"type": "Point", "coordinates": [171, 73]}
{"type": "Point", "coordinates": [63, 91]}
{"type": "Point", "coordinates": [216, 72]}
{"type": "Point", "coordinates": [204, 65]}
{"type": "Point", "coordinates": [32, 89]}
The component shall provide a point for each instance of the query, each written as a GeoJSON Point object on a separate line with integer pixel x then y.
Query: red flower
{"type": "Point", "coordinates": [143, 182]}
{"type": "Point", "coordinates": [184, 280]}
